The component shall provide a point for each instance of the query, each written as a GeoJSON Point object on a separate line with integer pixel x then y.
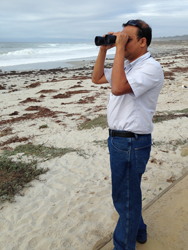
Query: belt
{"type": "Point", "coordinates": [124, 133]}
{"type": "Point", "coordinates": [121, 133]}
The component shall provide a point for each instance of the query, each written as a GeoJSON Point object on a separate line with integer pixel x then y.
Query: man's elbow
{"type": "Point", "coordinates": [116, 92]}
{"type": "Point", "coordinates": [99, 80]}
{"type": "Point", "coordinates": [95, 82]}
{"type": "Point", "coordinates": [94, 79]}
{"type": "Point", "coordinates": [121, 91]}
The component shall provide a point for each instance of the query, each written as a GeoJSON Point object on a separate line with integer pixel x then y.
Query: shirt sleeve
{"type": "Point", "coordinates": [108, 73]}
{"type": "Point", "coordinates": [144, 78]}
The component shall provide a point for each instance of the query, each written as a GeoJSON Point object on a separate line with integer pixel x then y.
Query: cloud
{"type": "Point", "coordinates": [46, 19]}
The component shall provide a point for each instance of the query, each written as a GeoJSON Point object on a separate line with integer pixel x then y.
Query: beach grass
{"type": "Point", "coordinates": [41, 151]}
{"type": "Point", "coordinates": [101, 143]}
{"type": "Point", "coordinates": [101, 120]}
{"type": "Point", "coordinates": [169, 115]}
{"type": "Point", "coordinates": [174, 144]}
{"type": "Point", "coordinates": [17, 175]}
{"type": "Point", "coordinates": [43, 126]}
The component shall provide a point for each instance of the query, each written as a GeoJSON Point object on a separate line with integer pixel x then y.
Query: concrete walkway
{"type": "Point", "coordinates": [166, 218]}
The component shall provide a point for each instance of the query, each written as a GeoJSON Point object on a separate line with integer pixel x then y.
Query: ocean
{"type": "Point", "coordinates": [29, 56]}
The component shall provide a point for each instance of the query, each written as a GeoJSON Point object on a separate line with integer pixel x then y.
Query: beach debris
{"type": "Point", "coordinates": [180, 69]}
{"type": "Point", "coordinates": [14, 140]}
{"type": "Point", "coordinates": [42, 96]}
{"type": "Point", "coordinates": [165, 151]}
{"type": "Point", "coordinates": [153, 160]}
{"type": "Point", "coordinates": [169, 75]}
{"type": "Point", "coordinates": [2, 87]}
{"type": "Point", "coordinates": [6, 131]}
{"type": "Point", "coordinates": [32, 108]}
{"type": "Point", "coordinates": [33, 85]}
{"type": "Point", "coordinates": [70, 93]}
{"type": "Point", "coordinates": [86, 100]}
{"type": "Point", "coordinates": [14, 113]}
{"type": "Point", "coordinates": [30, 100]}
{"type": "Point", "coordinates": [76, 86]}
{"type": "Point", "coordinates": [47, 91]}
{"type": "Point", "coordinates": [171, 179]}
{"type": "Point", "coordinates": [42, 112]}
{"type": "Point", "coordinates": [184, 86]}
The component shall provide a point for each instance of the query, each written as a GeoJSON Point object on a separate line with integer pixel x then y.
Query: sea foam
{"type": "Point", "coordinates": [26, 53]}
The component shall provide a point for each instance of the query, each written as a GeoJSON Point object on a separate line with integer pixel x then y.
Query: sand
{"type": "Point", "coordinates": [71, 209]}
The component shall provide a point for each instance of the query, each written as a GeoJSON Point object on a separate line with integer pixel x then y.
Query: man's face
{"type": "Point", "coordinates": [133, 46]}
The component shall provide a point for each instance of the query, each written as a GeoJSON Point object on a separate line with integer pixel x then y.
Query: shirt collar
{"type": "Point", "coordinates": [138, 60]}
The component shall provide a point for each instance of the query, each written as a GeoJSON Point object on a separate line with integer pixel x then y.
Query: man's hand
{"type": "Point", "coordinates": [122, 38]}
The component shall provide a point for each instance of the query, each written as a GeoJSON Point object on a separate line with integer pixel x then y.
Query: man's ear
{"type": "Point", "coordinates": [143, 42]}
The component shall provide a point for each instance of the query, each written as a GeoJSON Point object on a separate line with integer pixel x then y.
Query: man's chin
{"type": "Point", "coordinates": [125, 55]}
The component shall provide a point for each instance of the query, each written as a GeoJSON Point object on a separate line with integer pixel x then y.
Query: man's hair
{"type": "Point", "coordinates": [147, 31]}
{"type": "Point", "coordinates": [143, 29]}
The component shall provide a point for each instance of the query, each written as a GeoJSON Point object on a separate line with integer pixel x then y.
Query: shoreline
{"type": "Point", "coordinates": [45, 65]}
{"type": "Point", "coordinates": [71, 63]}
{"type": "Point", "coordinates": [157, 49]}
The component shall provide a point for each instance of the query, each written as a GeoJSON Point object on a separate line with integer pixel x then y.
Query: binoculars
{"type": "Point", "coordinates": [107, 40]}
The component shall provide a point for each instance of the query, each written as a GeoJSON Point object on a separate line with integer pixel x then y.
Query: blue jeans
{"type": "Point", "coordinates": [128, 159]}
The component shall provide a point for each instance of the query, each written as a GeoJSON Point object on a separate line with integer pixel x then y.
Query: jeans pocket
{"type": "Point", "coordinates": [142, 155]}
{"type": "Point", "coordinates": [120, 144]}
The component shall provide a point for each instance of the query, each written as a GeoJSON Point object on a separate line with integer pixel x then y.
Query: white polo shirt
{"type": "Point", "coordinates": [134, 112]}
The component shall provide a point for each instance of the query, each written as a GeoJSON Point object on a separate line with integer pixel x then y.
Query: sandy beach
{"type": "Point", "coordinates": [71, 208]}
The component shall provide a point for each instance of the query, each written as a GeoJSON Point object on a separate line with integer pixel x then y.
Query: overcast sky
{"type": "Point", "coordinates": [51, 20]}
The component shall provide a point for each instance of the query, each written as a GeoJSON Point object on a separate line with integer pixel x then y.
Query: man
{"type": "Point", "coordinates": [135, 87]}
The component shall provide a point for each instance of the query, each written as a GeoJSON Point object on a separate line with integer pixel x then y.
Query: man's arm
{"type": "Point", "coordinates": [120, 85]}
{"type": "Point", "coordinates": [98, 76]}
